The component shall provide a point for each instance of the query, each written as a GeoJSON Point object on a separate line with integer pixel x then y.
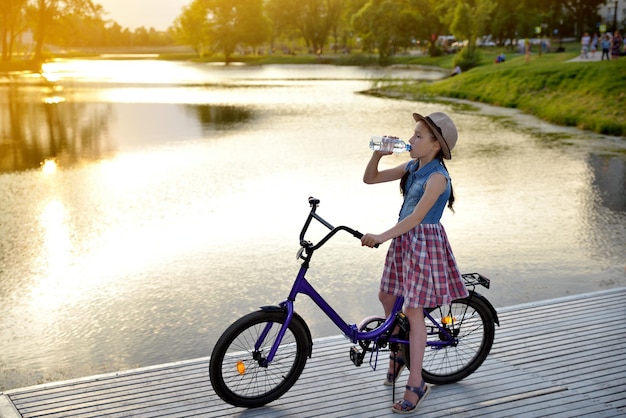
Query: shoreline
{"type": "Point", "coordinates": [521, 119]}
{"type": "Point", "coordinates": [558, 88]}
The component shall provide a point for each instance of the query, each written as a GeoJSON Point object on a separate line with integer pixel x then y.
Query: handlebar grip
{"type": "Point", "coordinates": [359, 235]}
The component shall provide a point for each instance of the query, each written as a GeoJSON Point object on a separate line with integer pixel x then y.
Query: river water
{"type": "Point", "coordinates": [146, 205]}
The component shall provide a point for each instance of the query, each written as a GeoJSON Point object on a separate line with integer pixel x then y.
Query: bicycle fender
{"type": "Point", "coordinates": [296, 317]}
{"type": "Point", "coordinates": [474, 294]}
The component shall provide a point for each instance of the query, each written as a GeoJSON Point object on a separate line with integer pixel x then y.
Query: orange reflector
{"type": "Point", "coordinates": [241, 368]}
{"type": "Point", "coordinates": [448, 320]}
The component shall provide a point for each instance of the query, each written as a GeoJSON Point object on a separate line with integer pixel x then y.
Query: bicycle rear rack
{"type": "Point", "coordinates": [473, 279]}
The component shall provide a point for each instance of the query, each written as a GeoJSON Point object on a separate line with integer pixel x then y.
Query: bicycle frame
{"type": "Point", "coordinates": [351, 331]}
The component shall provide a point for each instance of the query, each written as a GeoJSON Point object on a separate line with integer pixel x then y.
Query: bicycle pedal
{"type": "Point", "coordinates": [356, 356]}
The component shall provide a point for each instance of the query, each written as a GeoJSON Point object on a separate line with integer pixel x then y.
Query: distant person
{"type": "Point", "coordinates": [585, 41]}
{"type": "Point", "coordinates": [616, 46]}
{"type": "Point", "coordinates": [606, 47]}
{"type": "Point", "coordinates": [594, 44]}
{"type": "Point", "coordinates": [527, 49]}
{"type": "Point", "coordinates": [500, 58]}
{"type": "Point", "coordinates": [456, 71]}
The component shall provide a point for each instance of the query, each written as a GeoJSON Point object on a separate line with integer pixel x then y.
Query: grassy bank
{"type": "Point", "coordinates": [587, 95]}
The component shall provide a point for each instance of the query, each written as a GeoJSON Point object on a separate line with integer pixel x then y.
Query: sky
{"type": "Point", "coordinates": [132, 14]}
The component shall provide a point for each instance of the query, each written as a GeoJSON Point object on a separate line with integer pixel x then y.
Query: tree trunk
{"type": "Point", "coordinates": [42, 26]}
{"type": "Point", "coordinates": [5, 49]}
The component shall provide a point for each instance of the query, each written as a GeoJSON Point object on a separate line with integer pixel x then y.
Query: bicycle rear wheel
{"type": "Point", "coordinates": [237, 369]}
{"type": "Point", "coordinates": [470, 320]}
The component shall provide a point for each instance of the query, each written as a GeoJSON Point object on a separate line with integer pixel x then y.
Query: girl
{"type": "Point", "coordinates": [419, 265]}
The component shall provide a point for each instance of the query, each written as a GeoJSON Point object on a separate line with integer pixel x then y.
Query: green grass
{"type": "Point", "coordinates": [586, 95]}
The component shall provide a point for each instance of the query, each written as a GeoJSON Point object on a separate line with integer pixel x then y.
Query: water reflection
{"type": "Point", "coordinates": [609, 174]}
{"type": "Point", "coordinates": [38, 124]}
{"type": "Point", "coordinates": [212, 117]}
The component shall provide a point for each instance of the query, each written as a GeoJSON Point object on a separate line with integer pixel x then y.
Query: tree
{"type": "Point", "coordinates": [233, 24]}
{"type": "Point", "coordinates": [313, 19]}
{"type": "Point", "coordinates": [115, 35]}
{"type": "Point", "coordinates": [343, 31]}
{"type": "Point", "coordinates": [12, 25]}
{"type": "Point", "coordinates": [387, 25]}
{"type": "Point", "coordinates": [48, 15]}
{"type": "Point", "coordinates": [280, 22]}
{"type": "Point", "coordinates": [509, 20]}
{"type": "Point", "coordinates": [191, 28]}
{"type": "Point", "coordinates": [583, 12]}
{"type": "Point", "coordinates": [208, 25]}
{"type": "Point", "coordinates": [230, 25]}
{"type": "Point", "coordinates": [468, 20]}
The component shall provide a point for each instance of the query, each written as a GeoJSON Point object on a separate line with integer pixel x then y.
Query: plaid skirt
{"type": "Point", "coordinates": [421, 267]}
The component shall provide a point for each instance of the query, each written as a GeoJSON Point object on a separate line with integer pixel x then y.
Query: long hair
{"type": "Point", "coordinates": [405, 178]}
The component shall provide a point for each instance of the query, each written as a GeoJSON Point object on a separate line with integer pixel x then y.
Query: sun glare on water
{"type": "Point", "coordinates": [49, 167]}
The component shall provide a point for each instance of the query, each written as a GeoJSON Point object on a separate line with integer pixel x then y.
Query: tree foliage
{"type": "Point", "coordinates": [230, 24]}
{"type": "Point", "coordinates": [312, 19]}
{"type": "Point", "coordinates": [64, 23]}
{"type": "Point", "coordinates": [12, 25]}
{"type": "Point", "coordinates": [383, 26]}
{"type": "Point", "coordinates": [221, 25]}
{"type": "Point", "coordinates": [467, 20]}
{"type": "Point", "coordinates": [191, 28]}
{"type": "Point", "coordinates": [51, 16]}
{"type": "Point", "coordinates": [391, 25]}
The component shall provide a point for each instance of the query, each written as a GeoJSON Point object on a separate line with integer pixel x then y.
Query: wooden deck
{"type": "Point", "coordinates": [563, 357]}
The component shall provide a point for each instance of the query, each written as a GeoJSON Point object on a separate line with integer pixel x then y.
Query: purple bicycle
{"type": "Point", "coordinates": [261, 356]}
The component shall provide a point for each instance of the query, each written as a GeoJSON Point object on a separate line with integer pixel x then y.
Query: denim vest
{"type": "Point", "coordinates": [414, 190]}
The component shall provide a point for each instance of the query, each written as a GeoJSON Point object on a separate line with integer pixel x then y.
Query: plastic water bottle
{"type": "Point", "coordinates": [385, 143]}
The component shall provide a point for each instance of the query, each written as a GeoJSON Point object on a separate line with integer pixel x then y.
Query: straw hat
{"type": "Point", "coordinates": [443, 128]}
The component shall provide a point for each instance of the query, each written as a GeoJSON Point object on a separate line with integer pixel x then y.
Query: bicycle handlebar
{"type": "Point", "coordinates": [314, 203]}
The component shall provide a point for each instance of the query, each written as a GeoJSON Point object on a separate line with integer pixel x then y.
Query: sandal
{"type": "Point", "coordinates": [406, 407]}
{"type": "Point", "coordinates": [392, 378]}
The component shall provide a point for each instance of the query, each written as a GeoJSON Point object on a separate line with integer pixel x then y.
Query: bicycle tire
{"type": "Point", "coordinates": [475, 325]}
{"type": "Point", "coordinates": [235, 368]}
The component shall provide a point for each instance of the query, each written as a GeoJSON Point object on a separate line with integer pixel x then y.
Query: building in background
{"type": "Point", "coordinates": [613, 13]}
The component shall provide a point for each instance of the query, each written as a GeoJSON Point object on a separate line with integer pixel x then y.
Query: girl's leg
{"type": "Point", "coordinates": [395, 367]}
{"type": "Point", "coordinates": [418, 337]}
{"type": "Point", "coordinates": [388, 301]}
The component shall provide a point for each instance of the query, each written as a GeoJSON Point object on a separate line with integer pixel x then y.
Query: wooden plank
{"type": "Point", "coordinates": [549, 358]}
{"type": "Point", "coordinates": [7, 409]}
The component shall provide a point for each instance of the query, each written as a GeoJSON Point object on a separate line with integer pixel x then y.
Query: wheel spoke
{"type": "Point", "coordinates": [239, 372]}
{"type": "Point", "coordinates": [470, 322]}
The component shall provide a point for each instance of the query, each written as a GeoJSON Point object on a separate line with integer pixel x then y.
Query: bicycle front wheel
{"type": "Point", "coordinates": [472, 324]}
{"type": "Point", "coordinates": [238, 369]}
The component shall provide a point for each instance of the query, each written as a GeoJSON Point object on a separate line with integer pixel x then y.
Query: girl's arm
{"type": "Point", "coordinates": [372, 175]}
{"type": "Point", "coordinates": [435, 186]}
